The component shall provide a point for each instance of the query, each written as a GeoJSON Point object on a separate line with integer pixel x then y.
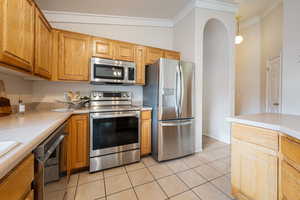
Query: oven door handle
{"type": "Point", "coordinates": [53, 147]}
{"type": "Point", "coordinates": [116, 115]}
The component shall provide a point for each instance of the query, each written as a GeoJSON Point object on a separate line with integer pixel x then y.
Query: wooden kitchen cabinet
{"type": "Point", "coordinates": [153, 54]}
{"type": "Point", "coordinates": [74, 56]}
{"type": "Point", "coordinates": [124, 51]}
{"type": "Point", "coordinates": [103, 48]}
{"type": "Point", "coordinates": [254, 168]}
{"type": "Point", "coordinates": [43, 46]}
{"type": "Point", "coordinates": [172, 55]}
{"type": "Point", "coordinates": [79, 140]}
{"type": "Point", "coordinates": [289, 183]}
{"type": "Point", "coordinates": [17, 184]}
{"type": "Point", "coordinates": [146, 132]}
{"type": "Point", "coordinates": [140, 56]}
{"type": "Point", "coordinates": [17, 33]}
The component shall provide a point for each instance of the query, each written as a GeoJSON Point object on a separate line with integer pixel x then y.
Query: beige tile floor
{"type": "Point", "coordinates": [203, 176]}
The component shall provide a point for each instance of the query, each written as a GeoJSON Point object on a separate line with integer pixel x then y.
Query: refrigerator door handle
{"type": "Point", "coordinates": [177, 91]}
{"type": "Point", "coordinates": [181, 90]}
{"type": "Point", "coordinates": [178, 124]}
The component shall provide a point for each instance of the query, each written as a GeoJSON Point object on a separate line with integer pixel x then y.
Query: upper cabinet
{"type": "Point", "coordinates": [140, 58]}
{"type": "Point", "coordinates": [172, 55]}
{"type": "Point", "coordinates": [43, 46]}
{"type": "Point", "coordinates": [124, 51]}
{"type": "Point", "coordinates": [153, 54]}
{"type": "Point", "coordinates": [74, 56]}
{"type": "Point", "coordinates": [17, 33]}
{"type": "Point", "coordinates": [103, 48]}
{"type": "Point", "coordinates": [111, 49]}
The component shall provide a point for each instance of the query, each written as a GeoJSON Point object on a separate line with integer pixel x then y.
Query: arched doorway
{"type": "Point", "coordinates": [216, 69]}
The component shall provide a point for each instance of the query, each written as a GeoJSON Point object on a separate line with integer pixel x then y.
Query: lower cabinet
{"type": "Point", "coordinates": [146, 132]}
{"type": "Point", "coordinates": [254, 168]}
{"type": "Point", "coordinates": [289, 183]}
{"type": "Point", "coordinates": [17, 184]}
{"type": "Point", "coordinates": [79, 141]}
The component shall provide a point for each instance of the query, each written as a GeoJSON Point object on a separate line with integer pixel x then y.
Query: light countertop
{"type": "Point", "coordinates": [30, 130]}
{"type": "Point", "coordinates": [287, 124]}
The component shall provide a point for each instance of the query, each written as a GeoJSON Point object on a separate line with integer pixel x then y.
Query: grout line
{"type": "Point", "coordinates": [132, 184]}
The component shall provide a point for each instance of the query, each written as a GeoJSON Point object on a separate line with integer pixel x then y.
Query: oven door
{"type": "Point", "coordinates": [114, 132]}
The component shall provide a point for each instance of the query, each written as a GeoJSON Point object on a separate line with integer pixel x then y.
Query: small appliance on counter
{"type": "Point", "coordinates": [114, 130]}
{"type": "Point", "coordinates": [170, 92]}
{"type": "Point", "coordinates": [5, 107]}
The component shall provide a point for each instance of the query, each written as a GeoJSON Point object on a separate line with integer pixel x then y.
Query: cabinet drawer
{"type": "Point", "coordinates": [18, 183]}
{"type": "Point", "coordinates": [262, 137]}
{"type": "Point", "coordinates": [290, 182]}
{"type": "Point", "coordinates": [146, 115]}
{"type": "Point", "coordinates": [290, 148]}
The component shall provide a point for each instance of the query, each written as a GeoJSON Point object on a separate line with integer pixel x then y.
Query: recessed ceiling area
{"type": "Point", "coordinates": [131, 8]}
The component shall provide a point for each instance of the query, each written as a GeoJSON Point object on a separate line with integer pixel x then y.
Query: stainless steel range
{"type": "Point", "coordinates": [114, 130]}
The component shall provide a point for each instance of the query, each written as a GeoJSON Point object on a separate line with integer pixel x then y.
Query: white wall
{"type": "Point", "coordinates": [16, 87]}
{"type": "Point", "coordinates": [291, 58]}
{"type": "Point", "coordinates": [262, 41]}
{"type": "Point", "coordinates": [215, 80]}
{"type": "Point", "coordinates": [248, 71]}
{"type": "Point", "coordinates": [161, 37]}
{"type": "Point", "coordinates": [44, 91]}
{"type": "Point", "coordinates": [188, 39]}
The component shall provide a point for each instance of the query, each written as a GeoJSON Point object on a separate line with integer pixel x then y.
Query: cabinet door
{"type": "Point", "coordinates": [140, 64]}
{"type": "Point", "coordinates": [17, 33]}
{"type": "Point", "coordinates": [290, 182]}
{"type": "Point", "coordinates": [103, 48]}
{"type": "Point", "coordinates": [30, 195]}
{"type": "Point", "coordinates": [153, 54]}
{"type": "Point", "coordinates": [146, 133]}
{"type": "Point", "coordinates": [124, 51]}
{"type": "Point", "coordinates": [43, 46]}
{"type": "Point", "coordinates": [79, 141]}
{"type": "Point", "coordinates": [74, 56]}
{"type": "Point", "coordinates": [172, 55]}
{"type": "Point", "coordinates": [254, 172]}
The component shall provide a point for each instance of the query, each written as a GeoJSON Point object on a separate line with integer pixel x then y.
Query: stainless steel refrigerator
{"type": "Point", "coordinates": [169, 90]}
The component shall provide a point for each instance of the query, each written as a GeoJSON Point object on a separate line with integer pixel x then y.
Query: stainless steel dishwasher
{"type": "Point", "coordinates": [49, 181]}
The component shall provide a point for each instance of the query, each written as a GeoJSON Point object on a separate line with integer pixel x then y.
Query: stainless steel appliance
{"type": "Point", "coordinates": [114, 130]}
{"type": "Point", "coordinates": [105, 71]}
{"type": "Point", "coordinates": [170, 93]}
{"type": "Point", "coordinates": [48, 173]}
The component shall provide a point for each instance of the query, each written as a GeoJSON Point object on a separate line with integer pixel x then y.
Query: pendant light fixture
{"type": "Point", "coordinates": [238, 38]}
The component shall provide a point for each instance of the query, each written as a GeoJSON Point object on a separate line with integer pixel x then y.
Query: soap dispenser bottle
{"type": "Point", "coordinates": [21, 106]}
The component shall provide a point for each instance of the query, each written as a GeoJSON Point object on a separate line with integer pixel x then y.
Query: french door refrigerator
{"type": "Point", "coordinates": [169, 90]}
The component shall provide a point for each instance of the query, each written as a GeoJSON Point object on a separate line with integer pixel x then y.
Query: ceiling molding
{"type": "Point", "coordinates": [217, 5]}
{"type": "Point", "coordinates": [185, 11]}
{"type": "Point", "coordinates": [250, 22]}
{"type": "Point", "coordinates": [85, 18]}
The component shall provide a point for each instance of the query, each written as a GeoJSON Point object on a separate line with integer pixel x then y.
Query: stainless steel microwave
{"type": "Point", "coordinates": [106, 71]}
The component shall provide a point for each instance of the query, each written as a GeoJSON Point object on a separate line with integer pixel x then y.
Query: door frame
{"type": "Point", "coordinates": [269, 62]}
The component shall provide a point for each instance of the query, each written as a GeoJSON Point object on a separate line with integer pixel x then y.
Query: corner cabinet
{"type": "Point", "coordinates": [146, 132]}
{"type": "Point", "coordinates": [43, 46]}
{"type": "Point", "coordinates": [17, 33]}
{"type": "Point", "coordinates": [254, 167]}
{"type": "Point", "coordinates": [79, 141]}
{"type": "Point", "coordinates": [74, 56]}
{"type": "Point", "coordinates": [153, 54]}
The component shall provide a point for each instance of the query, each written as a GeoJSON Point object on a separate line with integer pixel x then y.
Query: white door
{"type": "Point", "coordinates": [274, 85]}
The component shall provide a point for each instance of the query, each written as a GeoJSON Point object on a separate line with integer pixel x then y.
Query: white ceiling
{"type": "Point", "coordinates": [251, 8]}
{"type": "Point", "coordinates": [131, 8]}
{"type": "Point", "coordinates": [145, 8]}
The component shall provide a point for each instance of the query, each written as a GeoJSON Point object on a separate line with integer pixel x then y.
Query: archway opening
{"type": "Point", "coordinates": [215, 81]}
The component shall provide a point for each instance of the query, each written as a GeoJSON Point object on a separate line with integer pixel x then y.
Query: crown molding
{"type": "Point", "coordinates": [218, 5]}
{"type": "Point", "coordinates": [85, 18]}
{"type": "Point", "coordinates": [271, 8]}
{"type": "Point", "coordinates": [185, 11]}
